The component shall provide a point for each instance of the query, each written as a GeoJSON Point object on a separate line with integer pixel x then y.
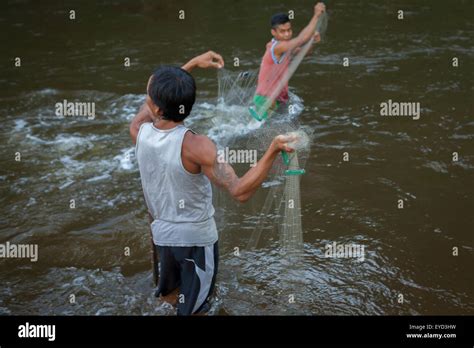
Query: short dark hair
{"type": "Point", "coordinates": [173, 90]}
{"type": "Point", "coordinates": [279, 18]}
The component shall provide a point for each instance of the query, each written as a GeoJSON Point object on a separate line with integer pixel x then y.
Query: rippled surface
{"type": "Point", "coordinates": [81, 250]}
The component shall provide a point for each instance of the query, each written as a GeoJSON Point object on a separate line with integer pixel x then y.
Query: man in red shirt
{"type": "Point", "coordinates": [277, 57]}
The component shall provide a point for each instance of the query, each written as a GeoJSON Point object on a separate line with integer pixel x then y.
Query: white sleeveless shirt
{"type": "Point", "coordinates": [179, 201]}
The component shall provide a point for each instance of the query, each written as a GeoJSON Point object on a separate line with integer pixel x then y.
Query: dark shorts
{"type": "Point", "coordinates": [193, 270]}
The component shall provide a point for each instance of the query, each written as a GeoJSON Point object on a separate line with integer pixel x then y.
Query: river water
{"type": "Point", "coordinates": [408, 251]}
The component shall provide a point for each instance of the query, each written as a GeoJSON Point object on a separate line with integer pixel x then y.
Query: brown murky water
{"type": "Point", "coordinates": [408, 251]}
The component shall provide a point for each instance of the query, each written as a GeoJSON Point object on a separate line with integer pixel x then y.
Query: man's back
{"type": "Point", "coordinates": [180, 202]}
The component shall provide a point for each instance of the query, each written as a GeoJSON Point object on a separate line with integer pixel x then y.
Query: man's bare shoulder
{"type": "Point", "coordinates": [199, 148]}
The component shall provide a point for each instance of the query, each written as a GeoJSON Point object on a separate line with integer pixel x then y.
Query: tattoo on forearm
{"type": "Point", "coordinates": [225, 175]}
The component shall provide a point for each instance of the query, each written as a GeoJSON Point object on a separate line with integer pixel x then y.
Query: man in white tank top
{"type": "Point", "coordinates": [177, 167]}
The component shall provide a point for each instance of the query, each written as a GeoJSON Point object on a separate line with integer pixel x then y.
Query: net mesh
{"type": "Point", "coordinates": [260, 125]}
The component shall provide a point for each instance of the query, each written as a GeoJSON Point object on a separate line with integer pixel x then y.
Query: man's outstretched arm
{"type": "Point", "coordinates": [203, 151]}
{"type": "Point", "coordinates": [206, 60]}
{"type": "Point", "coordinates": [317, 39]}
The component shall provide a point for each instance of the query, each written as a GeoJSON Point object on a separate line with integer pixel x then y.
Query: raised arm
{"type": "Point", "coordinates": [317, 39]}
{"type": "Point", "coordinates": [204, 153]}
{"type": "Point", "coordinates": [206, 60]}
{"type": "Point", "coordinates": [209, 59]}
{"type": "Point", "coordinates": [304, 36]}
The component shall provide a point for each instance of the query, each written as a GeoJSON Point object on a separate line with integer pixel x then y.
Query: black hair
{"type": "Point", "coordinates": [279, 18]}
{"type": "Point", "coordinates": [173, 90]}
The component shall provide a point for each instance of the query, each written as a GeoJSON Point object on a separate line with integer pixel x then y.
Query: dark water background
{"type": "Point", "coordinates": [81, 250]}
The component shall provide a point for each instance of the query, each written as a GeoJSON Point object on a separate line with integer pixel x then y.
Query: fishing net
{"type": "Point", "coordinates": [260, 124]}
{"type": "Point", "coordinates": [281, 209]}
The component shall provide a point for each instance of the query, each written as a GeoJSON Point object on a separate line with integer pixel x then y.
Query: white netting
{"type": "Point", "coordinates": [260, 124]}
